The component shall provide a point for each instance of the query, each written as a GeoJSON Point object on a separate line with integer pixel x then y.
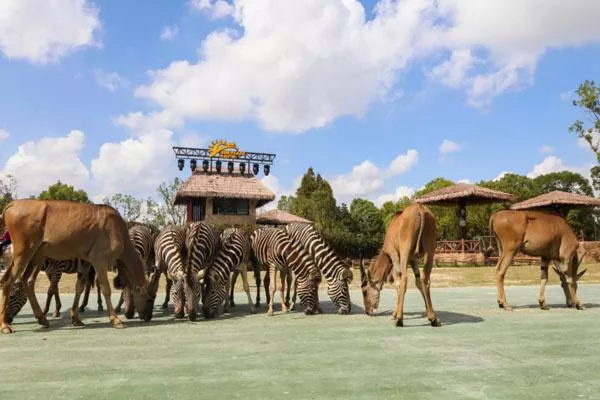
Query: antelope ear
{"type": "Point", "coordinates": [579, 275]}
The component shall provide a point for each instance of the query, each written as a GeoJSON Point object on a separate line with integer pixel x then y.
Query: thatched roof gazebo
{"type": "Point", "coordinates": [230, 198]}
{"type": "Point", "coordinates": [463, 195]}
{"type": "Point", "coordinates": [557, 201]}
{"type": "Point", "coordinates": [279, 217]}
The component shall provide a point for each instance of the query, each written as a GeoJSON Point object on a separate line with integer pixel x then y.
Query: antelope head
{"type": "Point", "coordinates": [371, 291]}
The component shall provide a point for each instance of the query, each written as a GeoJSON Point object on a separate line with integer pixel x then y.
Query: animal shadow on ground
{"type": "Point", "coordinates": [552, 306]}
{"type": "Point", "coordinates": [446, 317]}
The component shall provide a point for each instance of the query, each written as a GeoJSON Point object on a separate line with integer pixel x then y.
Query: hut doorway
{"type": "Point", "coordinates": [198, 209]}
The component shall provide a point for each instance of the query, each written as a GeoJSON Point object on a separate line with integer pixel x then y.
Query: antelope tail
{"type": "Point", "coordinates": [490, 250]}
{"type": "Point", "coordinates": [422, 218]}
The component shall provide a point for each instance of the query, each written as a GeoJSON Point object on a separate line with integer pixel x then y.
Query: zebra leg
{"type": "Point", "coordinates": [168, 287]}
{"type": "Point", "coordinates": [256, 270]}
{"type": "Point", "coordinates": [86, 296]}
{"type": "Point", "coordinates": [57, 302]}
{"type": "Point", "coordinates": [226, 308]}
{"type": "Point", "coordinates": [120, 302]}
{"type": "Point", "coordinates": [79, 288]}
{"type": "Point", "coordinates": [288, 281]}
{"type": "Point", "coordinates": [100, 308]}
{"type": "Point", "coordinates": [191, 299]}
{"type": "Point", "coordinates": [294, 285]}
{"type": "Point", "coordinates": [283, 277]}
{"type": "Point", "coordinates": [272, 278]}
{"type": "Point", "coordinates": [266, 284]}
{"type": "Point", "coordinates": [244, 272]}
{"type": "Point", "coordinates": [49, 294]}
{"type": "Point", "coordinates": [234, 277]}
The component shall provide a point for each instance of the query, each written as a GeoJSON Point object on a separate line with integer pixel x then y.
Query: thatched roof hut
{"type": "Point", "coordinates": [279, 217]}
{"type": "Point", "coordinates": [229, 186]}
{"type": "Point", "coordinates": [557, 200]}
{"type": "Point", "coordinates": [466, 194]}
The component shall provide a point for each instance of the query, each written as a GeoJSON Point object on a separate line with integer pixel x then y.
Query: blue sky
{"type": "Point", "coordinates": [366, 93]}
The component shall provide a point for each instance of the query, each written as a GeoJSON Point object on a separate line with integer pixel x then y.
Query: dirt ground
{"type": "Point", "coordinates": [440, 277]}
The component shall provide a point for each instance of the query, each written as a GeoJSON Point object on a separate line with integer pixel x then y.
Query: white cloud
{"type": "Point", "coordinates": [272, 182]}
{"type": "Point", "coordinates": [45, 31]}
{"type": "Point", "coordinates": [403, 162]}
{"type": "Point", "coordinates": [192, 139]}
{"type": "Point", "coordinates": [555, 164]}
{"type": "Point", "coordinates": [169, 33]}
{"type": "Point", "coordinates": [4, 134]}
{"type": "Point", "coordinates": [448, 146]}
{"type": "Point", "coordinates": [138, 122]}
{"type": "Point", "coordinates": [401, 191]}
{"type": "Point", "coordinates": [36, 165]}
{"type": "Point", "coordinates": [216, 8]}
{"type": "Point", "coordinates": [135, 165]}
{"type": "Point", "coordinates": [501, 175]}
{"type": "Point", "coordinates": [464, 180]}
{"type": "Point", "coordinates": [366, 179]}
{"type": "Point", "coordinates": [296, 65]}
{"type": "Point", "coordinates": [111, 81]}
{"type": "Point", "coordinates": [546, 150]}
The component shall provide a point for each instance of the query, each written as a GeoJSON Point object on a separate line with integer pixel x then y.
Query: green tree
{"type": "Point", "coordinates": [314, 201]}
{"type": "Point", "coordinates": [8, 191]}
{"type": "Point", "coordinates": [128, 206]}
{"type": "Point", "coordinates": [389, 208]}
{"type": "Point", "coordinates": [286, 203]}
{"type": "Point", "coordinates": [447, 220]}
{"type": "Point", "coordinates": [367, 217]}
{"type": "Point", "coordinates": [165, 212]}
{"type": "Point", "coordinates": [588, 98]}
{"type": "Point", "coordinates": [62, 191]}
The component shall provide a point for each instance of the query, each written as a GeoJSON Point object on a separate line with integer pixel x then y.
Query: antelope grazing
{"type": "Point", "coordinates": [411, 234]}
{"type": "Point", "coordinates": [63, 230]}
{"type": "Point", "coordinates": [540, 234]}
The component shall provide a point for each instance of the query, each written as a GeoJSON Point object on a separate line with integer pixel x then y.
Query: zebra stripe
{"type": "Point", "coordinates": [142, 238]}
{"type": "Point", "coordinates": [336, 273]}
{"type": "Point", "coordinates": [202, 243]}
{"type": "Point", "coordinates": [54, 270]}
{"type": "Point", "coordinates": [234, 251]}
{"type": "Point", "coordinates": [170, 252]}
{"type": "Point", "coordinates": [273, 247]}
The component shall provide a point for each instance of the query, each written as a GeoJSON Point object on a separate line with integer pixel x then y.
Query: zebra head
{"type": "Point", "coordinates": [339, 292]}
{"type": "Point", "coordinates": [214, 294]}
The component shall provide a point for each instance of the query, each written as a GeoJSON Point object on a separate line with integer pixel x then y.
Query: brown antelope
{"type": "Point", "coordinates": [62, 230]}
{"type": "Point", "coordinates": [540, 234]}
{"type": "Point", "coordinates": [411, 234]}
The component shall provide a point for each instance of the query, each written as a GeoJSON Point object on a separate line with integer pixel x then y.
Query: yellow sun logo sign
{"type": "Point", "coordinates": [224, 149]}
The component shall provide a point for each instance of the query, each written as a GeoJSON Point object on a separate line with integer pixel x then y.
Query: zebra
{"type": "Point", "coordinates": [273, 247]}
{"type": "Point", "coordinates": [142, 237]}
{"type": "Point", "coordinates": [170, 255]}
{"type": "Point", "coordinates": [233, 255]}
{"type": "Point", "coordinates": [202, 243]}
{"type": "Point", "coordinates": [54, 270]}
{"type": "Point", "coordinates": [336, 273]}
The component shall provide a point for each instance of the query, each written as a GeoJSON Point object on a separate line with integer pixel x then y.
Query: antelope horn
{"type": "Point", "coordinates": [580, 259]}
{"type": "Point", "coordinates": [579, 275]}
{"type": "Point", "coordinates": [558, 270]}
{"type": "Point", "coordinates": [363, 274]}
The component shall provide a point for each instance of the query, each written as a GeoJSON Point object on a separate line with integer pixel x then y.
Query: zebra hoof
{"type": "Point", "coordinates": [77, 322]}
{"type": "Point", "coordinates": [82, 309]}
{"type": "Point", "coordinates": [165, 306]}
{"type": "Point", "coordinates": [43, 322]}
{"type": "Point", "coordinates": [6, 329]}
{"type": "Point", "coordinates": [179, 315]}
{"type": "Point", "coordinates": [100, 308]}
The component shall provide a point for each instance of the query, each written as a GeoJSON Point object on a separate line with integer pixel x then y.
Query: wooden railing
{"type": "Point", "coordinates": [471, 246]}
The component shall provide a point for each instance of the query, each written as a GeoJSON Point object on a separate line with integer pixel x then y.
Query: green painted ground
{"type": "Point", "coordinates": [481, 352]}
